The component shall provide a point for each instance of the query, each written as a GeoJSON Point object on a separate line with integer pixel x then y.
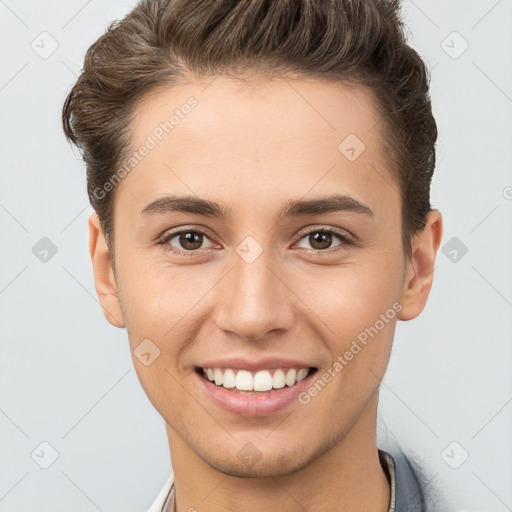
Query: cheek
{"type": "Point", "coordinates": [159, 305]}
{"type": "Point", "coordinates": [158, 300]}
{"type": "Point", "coordinates": [357, 306]}
{"type": "Point", "coordinates": [352, 297]}
{"type": "Point", "coordinates": [358, 312]}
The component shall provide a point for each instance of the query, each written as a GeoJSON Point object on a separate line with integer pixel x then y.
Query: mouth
{"type": "Point", "coordinates": [255, 382]}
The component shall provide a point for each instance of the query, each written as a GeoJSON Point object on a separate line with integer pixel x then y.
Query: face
{"type": "Point", "coordinates": [255, 244]}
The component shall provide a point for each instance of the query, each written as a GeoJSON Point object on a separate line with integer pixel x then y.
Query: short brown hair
{"type": "Point", "coordinates": [163, 42]}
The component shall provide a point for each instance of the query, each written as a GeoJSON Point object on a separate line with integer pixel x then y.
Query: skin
{"type": "Point", "coordinates": [251, 147]}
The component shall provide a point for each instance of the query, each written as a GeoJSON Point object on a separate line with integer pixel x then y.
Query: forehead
{"type": "Point", "coordinates": [274, 111]}
{"type": "Point", "coordinates": [268, 137]}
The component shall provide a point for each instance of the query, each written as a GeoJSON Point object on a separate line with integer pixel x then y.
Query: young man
{"type": "Point", "coordinates": [260, 175]}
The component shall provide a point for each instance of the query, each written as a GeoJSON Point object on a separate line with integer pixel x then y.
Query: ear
{"type": "Point", "coordinates": [419, 272]}
{"type": "Point", "coordinates": [104, 279]}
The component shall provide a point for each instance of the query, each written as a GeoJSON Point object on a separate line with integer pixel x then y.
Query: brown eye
{"type": "Point", "coordinates": [191, 240]}
{"type": "Point", "coordinates": [185, 241]}
{"type": "Point", "coordinates": [320, 240]}
{"type": "Point", "coordinates": [323, 239]}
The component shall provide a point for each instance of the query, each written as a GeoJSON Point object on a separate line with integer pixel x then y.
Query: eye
{"type": "Point", "coordinates": [187, 240]}
{"type": "Point", "coordinates": [322, 239]}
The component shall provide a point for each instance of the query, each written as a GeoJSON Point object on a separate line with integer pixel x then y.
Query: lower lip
{"type": "Point", "coordinates": [254, 405]}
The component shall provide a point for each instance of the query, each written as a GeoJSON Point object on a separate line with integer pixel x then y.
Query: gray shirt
{"type": "Point", "coordinates": [406, 492]}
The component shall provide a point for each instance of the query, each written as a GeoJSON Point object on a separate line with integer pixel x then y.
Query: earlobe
{"type": "Point", "coordinates": [104, 279]}
{"type": "Point", "coordinates": [420, 267]}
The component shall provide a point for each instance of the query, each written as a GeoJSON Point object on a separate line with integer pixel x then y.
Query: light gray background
{"type": "Point", "coordinates": [66, 376]}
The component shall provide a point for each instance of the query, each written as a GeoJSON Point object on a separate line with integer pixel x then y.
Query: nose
{"type": "Point", "coordinates": [253, 300]}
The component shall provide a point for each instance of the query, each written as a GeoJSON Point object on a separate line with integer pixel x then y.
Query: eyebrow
{"type": "Point", "coordinates": [292, 208]}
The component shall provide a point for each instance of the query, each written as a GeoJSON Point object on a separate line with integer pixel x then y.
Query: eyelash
{"type": "Point", "coordinates": [345, 240]}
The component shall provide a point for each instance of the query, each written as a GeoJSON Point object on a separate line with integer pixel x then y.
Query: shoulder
{"type": "Point", "coordinates": [412, 491]}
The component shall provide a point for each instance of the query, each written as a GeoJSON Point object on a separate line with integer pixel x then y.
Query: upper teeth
{"type": "Point", "coordinates": [263, 380]}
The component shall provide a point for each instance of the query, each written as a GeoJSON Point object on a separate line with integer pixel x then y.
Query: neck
{"type": "Point", "coordinates": [348, 476]}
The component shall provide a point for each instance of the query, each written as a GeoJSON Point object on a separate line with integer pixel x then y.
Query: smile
{"type": "Point", "coordinates": [255, 381]}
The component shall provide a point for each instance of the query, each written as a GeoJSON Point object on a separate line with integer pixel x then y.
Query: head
{"type": "Point", "coordinates": [260, 173]}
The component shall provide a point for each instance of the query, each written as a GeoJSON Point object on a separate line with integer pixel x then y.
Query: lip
{"type": "Point", "coordinates": [254, 405]}
{"type": "Point", "coordinates": [268, 363]}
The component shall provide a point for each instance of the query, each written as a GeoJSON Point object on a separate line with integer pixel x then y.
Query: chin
{"type": "Point", "coordinates": [246, 460]}
{"type": "Point", "coordinates": [266, 467]}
